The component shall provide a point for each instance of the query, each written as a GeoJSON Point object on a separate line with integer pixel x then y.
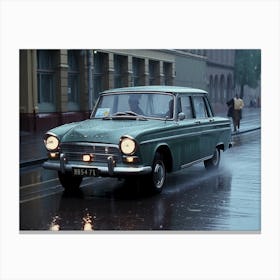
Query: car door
{"type": "Point", "coordinates": [189, 130]}
{"type": "Point", "coordinates": [206, 126]}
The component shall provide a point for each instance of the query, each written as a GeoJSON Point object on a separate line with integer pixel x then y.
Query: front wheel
{"type": "Point", "coordinates": [213, 163]}
{"type": "Point", "coordinates": [69, 182]}
{"type": "Point", "coordinates": [158, 177]}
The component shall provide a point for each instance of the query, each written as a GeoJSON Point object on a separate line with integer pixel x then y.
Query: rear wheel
{"type": "Point", "coordinates": [69, 182]}
{"type": "Point", "coordinates": [158, 176]}
{"type": "Point", "coordinates": [213, 162]}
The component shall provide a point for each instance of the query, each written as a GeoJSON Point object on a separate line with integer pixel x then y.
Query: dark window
{"type": "Point", "coordinates": [118, 65]}
{"type": "Point", "coordinates": [136, 66]}
{"type": "Point", "coordinates": [152, 71]}
{"type": "Point", "coordinates": [186, 107]}
{"type": "Point", "coordinates": [46, 80]}
{"type": "Point", "coordinates": [208, 107]}
{"type": "Point", "coordinates": [73, 80]}
{"type": "Point", "coordinates": [199, 107]}
{"type": "Point", "coordinates": [167, 70]}
{"type": "Point", "coordinates": [99, 63]}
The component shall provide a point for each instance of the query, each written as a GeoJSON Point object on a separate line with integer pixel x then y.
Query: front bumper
{"type": "Point", "coordinates": [108, 169]}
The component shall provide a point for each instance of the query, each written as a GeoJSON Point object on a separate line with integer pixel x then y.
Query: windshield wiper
{"type": "Point", "coordinates": [129, 113]}
{"type": "Point", "coordinates": [126, 114]}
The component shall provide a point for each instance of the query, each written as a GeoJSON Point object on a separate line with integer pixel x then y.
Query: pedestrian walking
{"type": "Point", "coordinates": [235, 106]}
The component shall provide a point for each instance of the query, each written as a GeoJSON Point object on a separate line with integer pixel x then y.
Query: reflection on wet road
{"type": "Point", "coordinates": [194, 199]}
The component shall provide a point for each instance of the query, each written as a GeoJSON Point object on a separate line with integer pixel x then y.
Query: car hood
{"type": "Point", "coordinates": [108, 131]}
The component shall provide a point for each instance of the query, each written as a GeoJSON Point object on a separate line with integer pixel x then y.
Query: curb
{"type": "Point", "coordinates": [245, 131]}
{"type": "Point", "coordinates": [32, 162]}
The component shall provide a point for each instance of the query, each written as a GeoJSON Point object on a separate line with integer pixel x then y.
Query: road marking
{"type": "Point", "coordinates": [37, 197]}
{"type": "Point", "coordinates": [49, 181]}
{"type": "Point", "coordinates": [38, 183]}
{"type": "Point", "coordinates": [86, 182]}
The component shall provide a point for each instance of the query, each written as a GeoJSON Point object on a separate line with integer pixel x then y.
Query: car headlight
{"type": "Point", "coordinates": [51, 142]}
{"type": "Point", "coordinates": [127, 145]}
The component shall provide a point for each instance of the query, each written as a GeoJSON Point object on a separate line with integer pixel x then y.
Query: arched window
{"type": "Point", "coordinates": [229, 87]}
{"type": "Point", "coordinates": [211, 88]}
{"type": "Point", "coordinates": [222, 90]}
{"type": "Point", "coordinates": [216, 89]}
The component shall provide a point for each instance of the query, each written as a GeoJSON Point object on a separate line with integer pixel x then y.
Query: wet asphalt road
{"type": "Point", "coordinates": [194, 199]}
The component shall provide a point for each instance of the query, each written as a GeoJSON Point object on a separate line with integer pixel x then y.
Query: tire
{"type": "Point", "coordinates": [214, 162]}
{"type": "Point", "coordinates": [157, 178]}
{"type": "Point", "coordinates": [69, 182]}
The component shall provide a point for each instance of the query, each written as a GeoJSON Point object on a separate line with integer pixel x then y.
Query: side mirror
{"type": "Point", "coordinates": [181, 116]}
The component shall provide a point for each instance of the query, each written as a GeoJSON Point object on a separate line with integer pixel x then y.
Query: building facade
{"type": "Point", "coordinates": [60, 86]}
{"type": "Point", "coordinates": [220, 75]}
{"type": "Point", "coordinates": [191, 69]}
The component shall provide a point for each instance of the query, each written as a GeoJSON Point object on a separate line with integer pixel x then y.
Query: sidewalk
{"type": "Point", "coordinates": [251, 120]}
{"type": "Point", "coordinates": [32, 149]}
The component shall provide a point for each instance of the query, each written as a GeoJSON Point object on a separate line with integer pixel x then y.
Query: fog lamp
{"type": "Point", "coordinates": [53, 155]}
{"type": "Point", "coordinates": [87, 157]}
{"type": "Point", "coordinates": [130, 159]}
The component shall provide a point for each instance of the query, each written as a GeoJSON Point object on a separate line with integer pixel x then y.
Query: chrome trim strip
{"type": "Point", "coordinates": [182, 135]}
{"type": "Point", "coordinates": [102, 169]}
{"type": "Point", "coordinates": [62, 159]}
{"type": "Point", "coordinates": [90, 144]}
{"type": "Point", "coordinates": [50, 134]}
{"type": "Point", "coordinates": [195, 162]}
{"type": "Point", "coordinates": [111, 165]}
{"type": "Point", "coordinates": [75, 150]}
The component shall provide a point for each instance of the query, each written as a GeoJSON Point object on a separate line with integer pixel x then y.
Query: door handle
{"type": "Point", "coordinates": [197, 122]}
{"type": "Point", "coordinates": [211, 120]}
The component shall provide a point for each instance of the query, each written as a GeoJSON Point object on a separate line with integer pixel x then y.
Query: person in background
{"type": "Point", "coordinates": [235, 106]}
{"type": "Point", "coordinates": [133, 102]}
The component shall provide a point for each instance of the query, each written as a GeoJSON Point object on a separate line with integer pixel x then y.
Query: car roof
{"type": "Point", "coordinates": [169, 89]}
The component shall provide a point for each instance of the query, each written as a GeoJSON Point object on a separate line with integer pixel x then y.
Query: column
{"type": "Point", "coordinates": [127, 71]}
{"type": "Point", "coordinates": [109, 80]}
{"type": "Point", "coordinates": [62, 81]}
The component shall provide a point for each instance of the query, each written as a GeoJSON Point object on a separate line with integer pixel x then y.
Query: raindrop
{"type": "Point", "coordinates": [193, 210]}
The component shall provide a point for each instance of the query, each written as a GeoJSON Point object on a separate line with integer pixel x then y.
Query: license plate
{"type": "Point", "coordinates": [85, 172]}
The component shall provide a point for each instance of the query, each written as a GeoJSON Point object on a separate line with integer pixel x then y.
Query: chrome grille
{"type": "Point", "coordinates": [100, 152]}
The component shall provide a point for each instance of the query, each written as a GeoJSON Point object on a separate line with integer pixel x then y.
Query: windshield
{"type": "Point", "coordinates": [148, 105]}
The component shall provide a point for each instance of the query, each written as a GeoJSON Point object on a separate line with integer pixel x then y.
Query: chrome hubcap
{"type": "Point", "coordinates": [216, 157]}
{"type": "Point", "coordinates": [159, 175]}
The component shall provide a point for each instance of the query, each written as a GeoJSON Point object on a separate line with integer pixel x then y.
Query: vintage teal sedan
{"type": "Point", "coordinates": [143, 132]}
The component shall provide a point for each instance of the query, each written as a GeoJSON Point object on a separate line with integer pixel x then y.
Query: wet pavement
{"type": "Point", "coordinates": [194, 199]}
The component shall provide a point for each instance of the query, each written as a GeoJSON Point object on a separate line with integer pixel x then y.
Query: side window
{"type": "Point", "coordinates": [186, 107]}
{"type": "Point", "coordinates": [199, 107]}
{"type": "Point", "coordinates": [209, 109]}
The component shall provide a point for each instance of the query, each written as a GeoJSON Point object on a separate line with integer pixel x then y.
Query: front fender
{"type": "Point", "coordinates": [60, 131]}
{"type": "Point", "coordinates": [149, 150]}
